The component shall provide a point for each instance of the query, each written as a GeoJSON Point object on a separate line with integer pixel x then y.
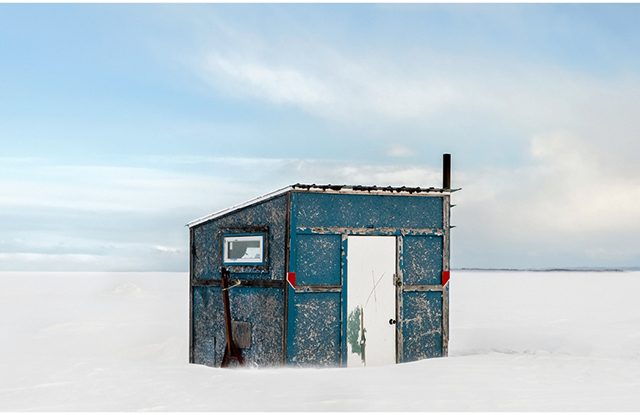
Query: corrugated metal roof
{"type": "Point", "coordinates": [324, 188]}
{"type": "Point", "coordinates": [367, 189]}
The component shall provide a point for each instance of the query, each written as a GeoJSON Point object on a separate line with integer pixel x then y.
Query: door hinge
{"type": "Point", "coordinates": [396, 281]}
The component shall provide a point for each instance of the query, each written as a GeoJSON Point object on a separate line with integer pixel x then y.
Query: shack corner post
{"type": "Point", "coordinates": [323, 275]}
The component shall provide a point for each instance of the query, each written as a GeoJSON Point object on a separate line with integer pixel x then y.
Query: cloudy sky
{"type": "Point", "coordinates": [120, 123]}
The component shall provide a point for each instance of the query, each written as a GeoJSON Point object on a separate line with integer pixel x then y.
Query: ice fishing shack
{"type": "Point", "coordinates": [323, 275]}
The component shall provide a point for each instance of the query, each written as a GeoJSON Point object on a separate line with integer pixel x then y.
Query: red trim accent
{"type": "Point", "coordinates": [291, 277]}
{"type": "Point", "coordinates": [445, 278]}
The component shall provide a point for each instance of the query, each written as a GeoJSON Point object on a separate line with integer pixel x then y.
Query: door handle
{"type": "Point", "coordinates": [392, 321]}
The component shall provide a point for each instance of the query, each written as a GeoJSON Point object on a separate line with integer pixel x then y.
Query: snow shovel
{"type": "Point", "coordinates": [231, 351]}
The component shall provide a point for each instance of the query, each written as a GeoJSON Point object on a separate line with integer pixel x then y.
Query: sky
{"type": "Point", "coordinates": [120, 123]}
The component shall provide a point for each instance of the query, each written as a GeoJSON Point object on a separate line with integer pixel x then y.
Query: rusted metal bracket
{"type": "Point", "coordinates": [231, 351]}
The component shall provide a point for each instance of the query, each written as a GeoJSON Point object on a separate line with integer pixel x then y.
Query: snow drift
{"type": "Point", "coordinates": [520, 341]}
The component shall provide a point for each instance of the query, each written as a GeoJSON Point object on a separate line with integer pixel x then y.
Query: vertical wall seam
{"type": "Point", "coordinates": [399, 304]}
{"type": "Point", "coordinates": [445, 267]}
{"type": "Point", "coordinates": [191, 277]}
{"type": "Point", "coordinates": [285, 293]}
{"type": "Point", "coordinates": [291, 311]}
{"type": "Point", "coordinates": [343, 299]}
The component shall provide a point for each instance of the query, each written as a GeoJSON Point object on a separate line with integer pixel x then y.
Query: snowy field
{"type": "Point", "coordinates": [520, 341]}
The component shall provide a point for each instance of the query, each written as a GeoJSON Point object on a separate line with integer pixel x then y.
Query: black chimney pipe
{"type": "Point", "coordinates": [446, 171]}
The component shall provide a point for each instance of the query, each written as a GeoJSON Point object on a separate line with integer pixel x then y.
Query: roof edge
{"type": "Point", "coordinates": [253, 201]}
{"type": "Point", "coordinates": [323, 188]}
{"type": "Point", "coordinates": [344, 188]}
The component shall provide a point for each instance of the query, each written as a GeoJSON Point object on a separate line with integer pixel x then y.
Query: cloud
{"type": "Point", "coordinates": [276, 84]}
{"type": "Point", "coordinates": [332, 86]}
{"type": "Point", "coordinates": [167, 249]}
{"type": "Point", "coordinates": [337, 84]}
{"type": "Point", "coordinates": [397, 150]}
{"type": "Point", "coordinates": [587, 195]}
{"type": "Point", "coordinates": [486, 104]}
{"type": "Point", "coordinates": [565, 207]}
{"type": "Point", "coordinates": [565, 136]}
{"type": "Point", "coordinates": [103, 188]}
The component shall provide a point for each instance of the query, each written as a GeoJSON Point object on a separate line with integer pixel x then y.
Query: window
{"type": "Point", "coordinates": [247, 249]}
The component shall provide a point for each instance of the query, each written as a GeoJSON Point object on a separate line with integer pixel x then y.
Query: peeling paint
{"type": "Point", "coordinates": [316, 330]}
{"type": "Point", "coordinates": [318, 260]}
{"type": "Point", "coordinates": [423, 260]}
{"type": "Point", "coordinates": [368, 211]}
{"type": "Point", "coordinates": [356, 333]}
{"type": "Point", "coordinates": [422, 325]}
{"type": "Point", "coordinates": [335, 230]}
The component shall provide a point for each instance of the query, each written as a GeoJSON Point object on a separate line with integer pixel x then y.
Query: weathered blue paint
{"type": "Point", "coordinates": [208, 325]}
{"type": "Point", "coordinates": [368, 211]}
{"type": "Point", "coordinates": [422, 260]}
{"type": "Point", "coordinates": [422, 325]}
{"type": "Point", "coordinates": [315, 318]}
{"type": "Point", "coordinates": [368, 231]}
{"type": "Point", "coordinates": [316, 332]}
{"type": "Point", "coordinates": [318, 259]}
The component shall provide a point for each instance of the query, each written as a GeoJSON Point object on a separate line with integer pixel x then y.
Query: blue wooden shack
{"type": "Point", "coordinates": [323, 276]}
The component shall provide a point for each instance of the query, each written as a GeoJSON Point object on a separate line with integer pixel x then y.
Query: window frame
{"type": "Point", "coordinates": [227, 262]}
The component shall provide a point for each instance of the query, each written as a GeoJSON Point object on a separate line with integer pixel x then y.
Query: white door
{"type": "Point", "coordinates": [371, 300]}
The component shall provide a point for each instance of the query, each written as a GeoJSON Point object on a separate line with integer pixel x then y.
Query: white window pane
{"type": "Point", "coordinates": [243, 249]}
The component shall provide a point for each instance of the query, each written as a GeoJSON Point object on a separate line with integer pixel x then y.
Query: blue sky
{"type": "Point", "coordinates": [120, 123]}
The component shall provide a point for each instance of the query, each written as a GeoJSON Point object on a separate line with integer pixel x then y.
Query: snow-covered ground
{"type": "Point", "coordinates": [520, 341]}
